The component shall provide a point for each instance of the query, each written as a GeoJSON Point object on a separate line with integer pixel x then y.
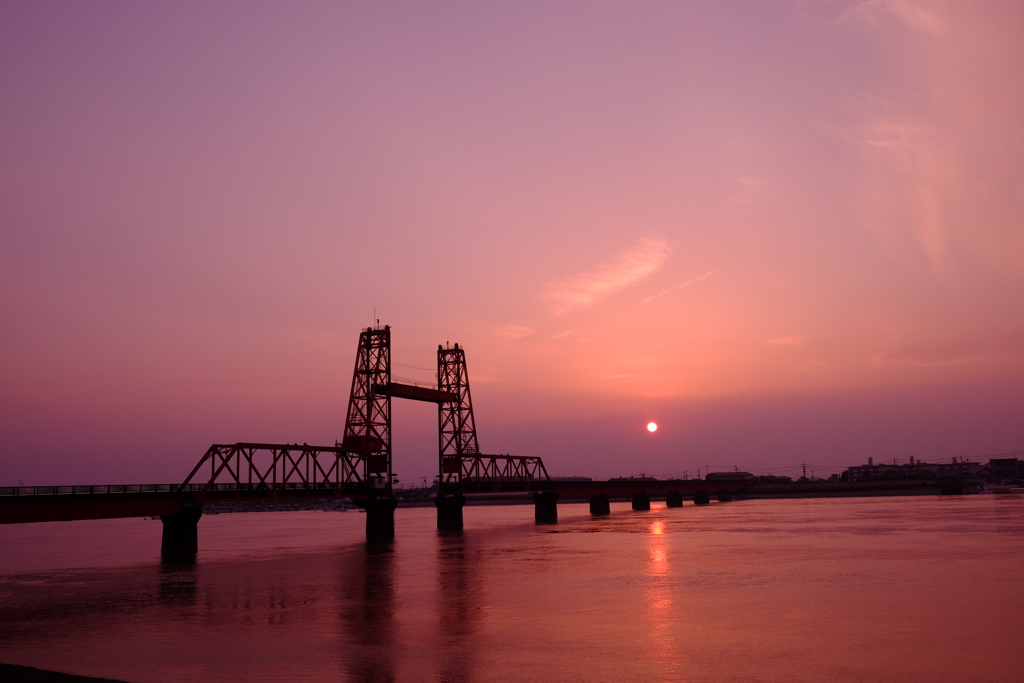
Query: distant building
{"type": "Point", "coordinates": [915, 470]}
{"type": "Point", "coordinates": [572, 479]}
{"type": "Point", "coordinates": [958, 469]}
{"type": "Point", "coordinates": [1002, 471]}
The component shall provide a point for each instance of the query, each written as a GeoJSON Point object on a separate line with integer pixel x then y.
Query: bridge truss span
{"type": "Point", "coordinates": [485, 473]}
{"type": "Point", "coordinates": [262, 470]}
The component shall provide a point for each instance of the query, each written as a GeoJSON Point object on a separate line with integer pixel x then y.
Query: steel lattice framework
{"type": "Point", "coordinates": [260, 470]}
{"type": "Point", "coordinates": [368, 422]}
{"type": "Point", "coordinates": [502, 473]}
{"type": "Point", "coordinates": [361, 464]}
{"type": "Point", "coordinates": [456, 425]}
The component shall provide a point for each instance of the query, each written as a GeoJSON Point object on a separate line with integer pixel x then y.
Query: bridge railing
{"type": "Point", "coordinates": [101, 489]}
{"type": "Point", "coordinates": [130, 489]}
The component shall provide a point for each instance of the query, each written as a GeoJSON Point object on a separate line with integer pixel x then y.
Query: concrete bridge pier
{"type": "Point", "coordinates": [674, 499]}
{"type": "Point", "coordinates": [449, 511]}
{"type": "Point", "coordinates": [599, 505]}
{"type": "Point", "coordinates": [725, 496]}
{"type": "Point", "coordinates": [545, 507]}
{"type": "Point", "coordinates": [641, 501]}
{"type": "Point", "coordinates": [701, 497]}
{"type": "Point", "coordinates": [380, 517]}
{"type": "Point", "coordinates": [180, 540]}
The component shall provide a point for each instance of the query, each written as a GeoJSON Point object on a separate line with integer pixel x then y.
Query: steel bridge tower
{"type": "Point", "coordinates": [456, 425]}
{"type": "Point", "coordinates": [366, 446]}
{"type": "Point", "coordinates": [368, 423]}
{"type": "Point", "coordinates": [368, 427]}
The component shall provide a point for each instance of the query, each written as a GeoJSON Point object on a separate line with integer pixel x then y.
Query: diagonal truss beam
{"type": "Point", "coordinates": [479, 473]}
{"type": "Point", "coordinates": [273, 470]}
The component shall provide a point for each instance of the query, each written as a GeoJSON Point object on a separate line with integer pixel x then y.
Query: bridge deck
{"type": "Point", "coordinates": [585, 489]}
{"type": "Point", "coordinates": [70, 507]}
{"type": "Point", "coordinates": [24, 504]}
{"type": "Point", "coordinates": [624, 487]}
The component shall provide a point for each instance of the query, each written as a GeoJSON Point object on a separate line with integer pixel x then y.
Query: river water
{"type": "Point", "coordinates": [841, 589]}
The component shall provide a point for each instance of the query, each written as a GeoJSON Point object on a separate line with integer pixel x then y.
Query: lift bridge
{"type": "Point", "coordinates": [360, 467]}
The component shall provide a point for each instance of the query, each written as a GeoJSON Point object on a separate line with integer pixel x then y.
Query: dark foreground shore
{"type": "Point", "coordinates": [14, 673]}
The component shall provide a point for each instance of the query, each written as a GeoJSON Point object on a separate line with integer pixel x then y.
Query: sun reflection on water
{"type": "Point", "coordinates": [661, 611]}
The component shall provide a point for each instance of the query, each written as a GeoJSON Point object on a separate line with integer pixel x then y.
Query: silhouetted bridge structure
{"type": "Point", "coordinates": [359, 467]}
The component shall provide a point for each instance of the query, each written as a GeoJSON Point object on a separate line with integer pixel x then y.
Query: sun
{"type": "Point", "coordinates": [652, 426]}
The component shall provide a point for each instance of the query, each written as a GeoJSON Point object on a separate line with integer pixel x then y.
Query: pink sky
{"type": "Point", "coordinates": [786, 231]}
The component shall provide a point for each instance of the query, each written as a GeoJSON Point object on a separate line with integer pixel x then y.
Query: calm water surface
{"type": "Point", "coordinates": [880, 589]}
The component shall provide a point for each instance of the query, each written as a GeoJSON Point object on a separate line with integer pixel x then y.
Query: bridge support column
{"type": "Point", "coordinates": [674, 499]}
{"type": "Point", "coordinates": [725, 496]}
{"type": "Point", "coordinates": [380, 517]}
{"type": "Point", "coordinates": [180, 540]}
{"type": "Point", "coordinates": [599, 505]}
{"type": "Point", "coordinates": [641, 501]}
{"type": "Point", "coordinates": [449, 511]}
{"type": "Point", "coordinates": [701, 497]}
{"type": "Point", "coordinates": [545, 507]}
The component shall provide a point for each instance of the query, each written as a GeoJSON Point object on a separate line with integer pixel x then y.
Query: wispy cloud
{"type": "Point", "coordinates": [512, 331]}
{"type": "Point", "coordinates": [787, 341]}
{"type": "Point", "coordinates": [588, 289]}
{"type": "Point", "coordinates": [564, 334]}
{"type": "Point", "coordinates": [912, 13]}
{"type": "Point", "coordinates": [748, 190]}
{"type": "Point", "coordinates": [680, 286]}
{"type": "Point", "coordinates": [907, 184]}
{"type": "Point", "coordinates": [952, 350]}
